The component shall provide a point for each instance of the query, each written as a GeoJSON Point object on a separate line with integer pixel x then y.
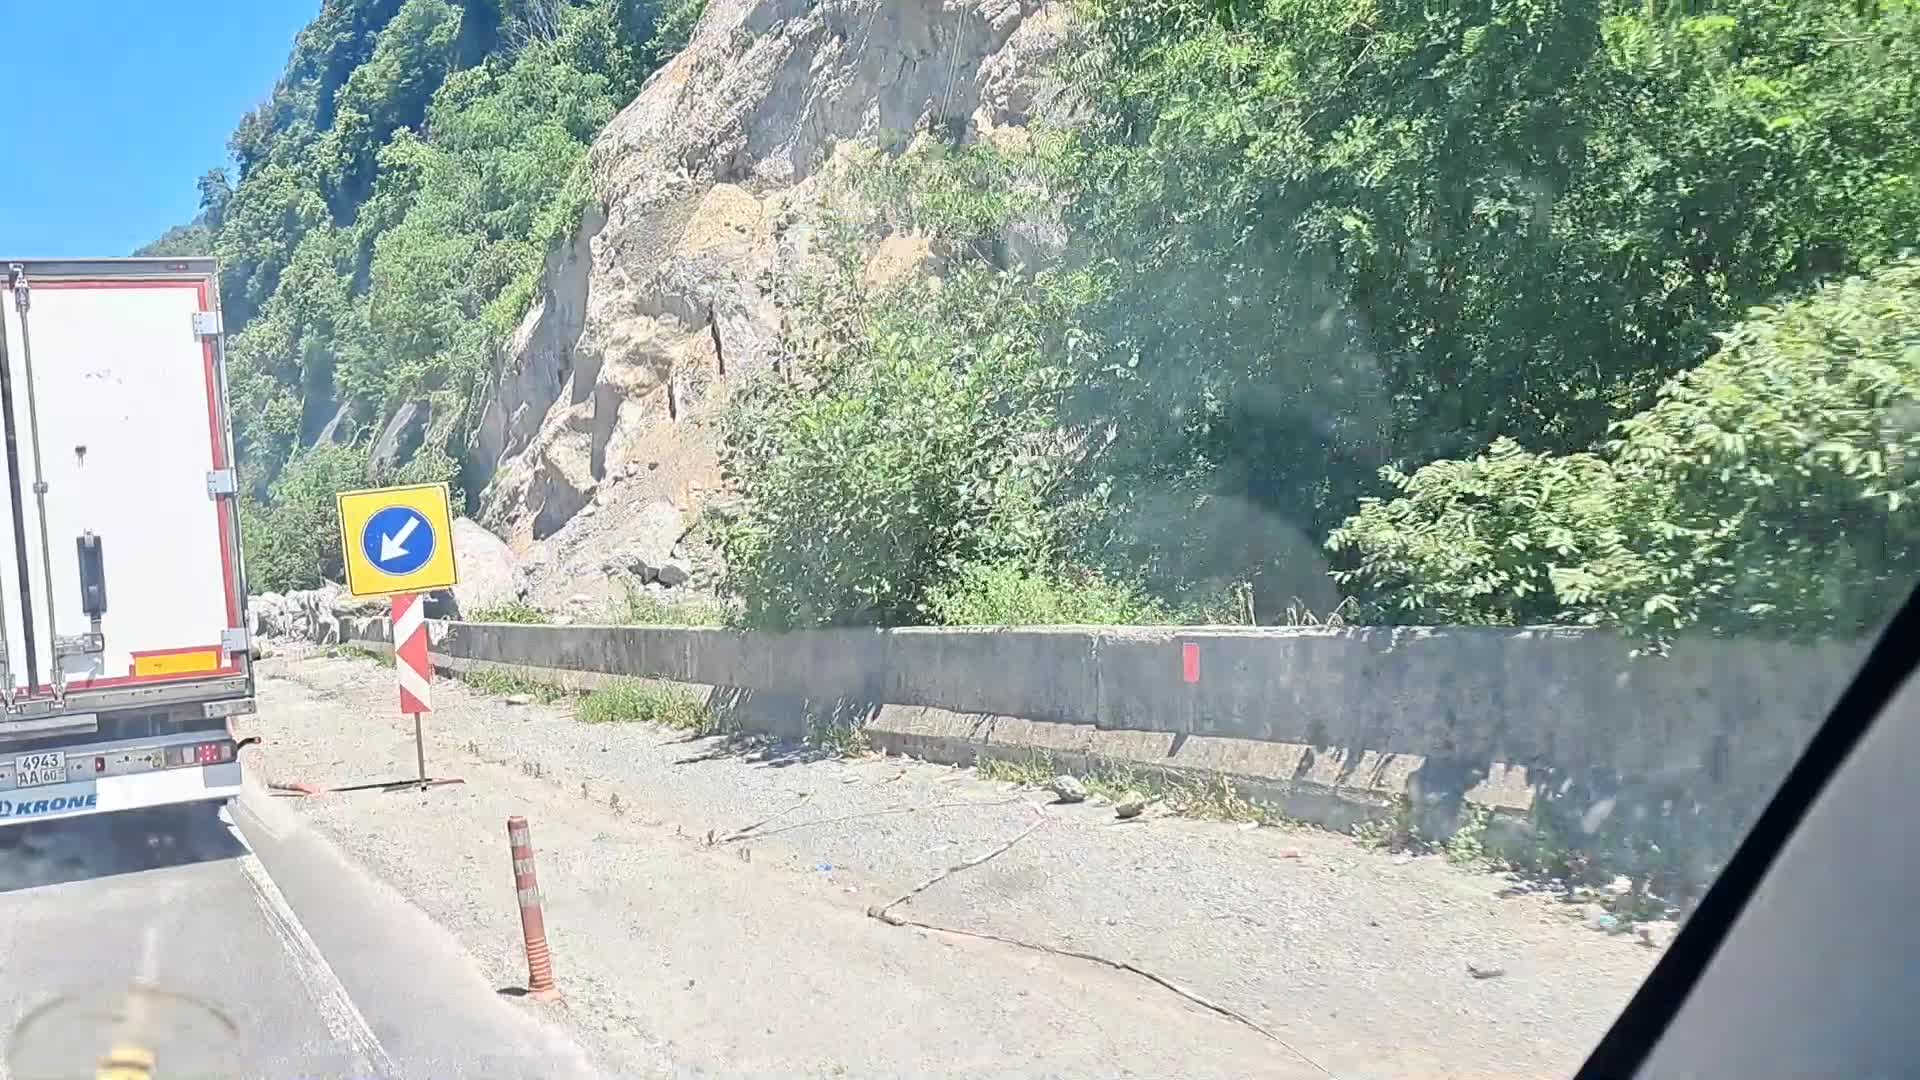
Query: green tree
{"type": "Point", "coordinates": [1348, 234]}
{"type": "Point", "coordinates": [394, 199]}
{"type": "Point", "coordinates": [1771, 490]}
{"type": "Point", "coordinates": [293, 540]}
{"type": "Point", "coordinates": [412, 55]}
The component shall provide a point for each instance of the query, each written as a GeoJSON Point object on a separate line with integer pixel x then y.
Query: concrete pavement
{"type": "Point", "coordinates": [758, 956]}
{"type": "Point", "coordinates": [320, 970]}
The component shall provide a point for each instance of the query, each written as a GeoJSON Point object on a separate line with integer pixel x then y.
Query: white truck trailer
{"type": "Point", "coordinates": [124, 651]}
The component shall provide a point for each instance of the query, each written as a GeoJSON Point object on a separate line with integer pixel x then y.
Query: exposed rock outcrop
{"type": "Point", "coordinates": [664, 298]}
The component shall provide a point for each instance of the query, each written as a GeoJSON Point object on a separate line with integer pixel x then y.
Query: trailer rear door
{"type": "Point", "coordinates": [118, 405]}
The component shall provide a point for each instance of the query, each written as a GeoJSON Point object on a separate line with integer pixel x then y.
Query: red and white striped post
{"type": "Point", "coordinates": [533, 923]}
{"type": "Point", "coordinates": [414, 668]}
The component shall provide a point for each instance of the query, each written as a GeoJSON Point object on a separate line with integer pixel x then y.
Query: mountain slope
{"type": "Point", "coordinates": [707, 191]}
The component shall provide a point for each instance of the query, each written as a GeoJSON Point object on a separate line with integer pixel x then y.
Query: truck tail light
{"type": "Point", "coordinates": [210, 753]}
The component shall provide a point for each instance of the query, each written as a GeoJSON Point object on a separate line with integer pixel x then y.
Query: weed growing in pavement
{"type": "Point", "coordinates": [1116, 781]}
{"type": "Point", "coordinates": [1033, 770]}
{"type": "Point", "coordinates": [1396, 832]}
{"type": "Point", "coordinates": [1468, 844]}
{"type": "Point", "coordinates": [1214, 798]}
{"type": "Point", "coordinates": [841, 739]}
{"type": "Point", "coordinates": [351, 651]}
{"type": "Point", "coordinates": [506, 684]}
{"type": "Point", "coordinates": [512, 611]}
{"type": "Point", "coordinates": [626, 702]}
{"type": "Point", "coordinates": [1547, 855]}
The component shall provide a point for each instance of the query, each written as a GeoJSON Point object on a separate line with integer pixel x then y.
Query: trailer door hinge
{"type": "Point", "coordinates": [206, 324]}
{"type": "Point", "coordinates": [221, 482]}
{"type": "Point", "coordinates": [235, 640]}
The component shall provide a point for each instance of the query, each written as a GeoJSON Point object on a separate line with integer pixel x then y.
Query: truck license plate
{"type": "Point", "coordinates": [35, 770]}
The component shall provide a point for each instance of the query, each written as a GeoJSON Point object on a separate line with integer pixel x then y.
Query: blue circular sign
{"type": "Point", "coordinates": [397, 540]}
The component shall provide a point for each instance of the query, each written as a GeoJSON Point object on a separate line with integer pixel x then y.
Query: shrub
{"type": "Point", "coordinates": [1007, 594]}
{"type": "Point", "coordinates": [1770, 490]}
{"type": "Point", "coordinates": [1477, 541]}
{"type": "Point", "coordinates": [1774, 487]}
{"type": "Point", "coordinates": [922, 447]}
{"type": "Point", "coordinates": [292, 541]}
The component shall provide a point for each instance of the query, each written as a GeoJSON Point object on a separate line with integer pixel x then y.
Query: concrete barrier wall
{"type": "Point", "coordinates": [1337, 724]}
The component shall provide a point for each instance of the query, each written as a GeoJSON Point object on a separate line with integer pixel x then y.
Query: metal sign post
{"type": "Point", "coordinates": [398, 542]}
{"type": "Point", "coordinates": [415, 669]}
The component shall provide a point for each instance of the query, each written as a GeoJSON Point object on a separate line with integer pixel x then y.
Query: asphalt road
{"type": "Point", "coordinates": [319, 970]}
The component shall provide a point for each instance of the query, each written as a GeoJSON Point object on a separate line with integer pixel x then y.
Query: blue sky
{"type": "Point", "coordinates": [113, 108]}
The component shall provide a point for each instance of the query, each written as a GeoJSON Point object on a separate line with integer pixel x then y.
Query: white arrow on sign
{"type": "Point", "coordinates": [395, 545]}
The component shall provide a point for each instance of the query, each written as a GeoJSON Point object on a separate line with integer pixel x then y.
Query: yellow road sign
{"type": "Point", "coordinates": [397, 540]}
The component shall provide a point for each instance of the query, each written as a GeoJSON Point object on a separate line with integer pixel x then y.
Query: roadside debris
{"type": "Point", "coordinates": [1656, 934]}
{"type": "Point", "coordinates": [1488, 972]}
{"type": "Point", "coordinates": [1069, 789]}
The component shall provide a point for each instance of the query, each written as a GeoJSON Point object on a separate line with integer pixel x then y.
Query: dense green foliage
{"type": "Point", "coordinates": [393, 201]}
{"type": "Point", "coordinates": [914, 450]}
{"type": "Point", "coordinates": [294, 541]}
{"type": "Point", "coordinates": [1772, 488]}
{"type": "Point", "coordinates": [1334, 250]}
{"type": "Point", "coordinates": [1005, 594]}
{"type": "Point", "coordinates": [1523, 310]}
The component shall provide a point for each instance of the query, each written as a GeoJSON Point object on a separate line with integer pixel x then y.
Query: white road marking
{"type": "Point", "coordinates": [337, 1010]}
{"type": "Point", "coordinates": [254, 796]}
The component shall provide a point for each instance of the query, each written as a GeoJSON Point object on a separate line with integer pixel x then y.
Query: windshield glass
{"type": "Point", "coordinates": [1210, 537]}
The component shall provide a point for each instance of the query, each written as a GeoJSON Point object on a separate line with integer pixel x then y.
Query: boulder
{"type": "Point", "coordinates": [1069, 789]}
{"type": "Point", "coordinates": [486, 567]}
{"type": "Point", "coordinates": [345, 606]}
{"type": "Point", "coordinates": [653, 530]}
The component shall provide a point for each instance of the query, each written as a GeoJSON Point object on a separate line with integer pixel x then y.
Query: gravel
{"type": "Point", "coordinates": [1362, 962]}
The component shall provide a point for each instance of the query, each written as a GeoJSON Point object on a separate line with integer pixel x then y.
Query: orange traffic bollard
{"type": "Point", "coordinates": [533, 925]}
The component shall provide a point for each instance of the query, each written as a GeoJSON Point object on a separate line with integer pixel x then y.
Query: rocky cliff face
{"type": "Point", "coordinates": [705, 184]}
